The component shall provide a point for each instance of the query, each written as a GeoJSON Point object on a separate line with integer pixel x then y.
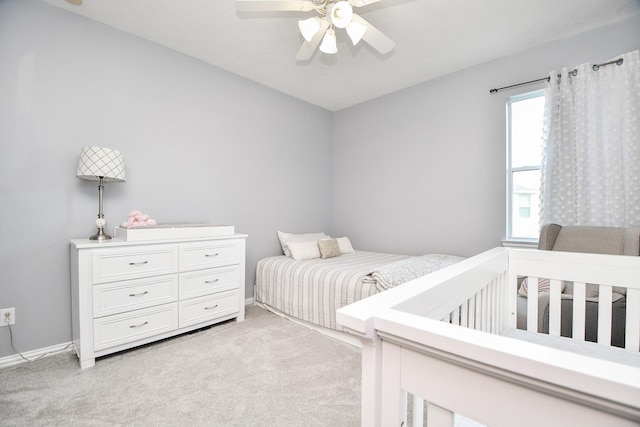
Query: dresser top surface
{"type": "Point", "coordinates": [112, 243]}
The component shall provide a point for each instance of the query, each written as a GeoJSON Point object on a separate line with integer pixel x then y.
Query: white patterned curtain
{"type": "Point", "coordinates": [591, 145]}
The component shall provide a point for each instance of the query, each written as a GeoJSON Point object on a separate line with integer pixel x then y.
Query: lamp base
{"type": "Point", "coordinates": [100, 235]}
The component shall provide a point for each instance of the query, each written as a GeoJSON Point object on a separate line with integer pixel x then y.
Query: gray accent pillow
{"type": "Point", "coordinates": [329, 248]}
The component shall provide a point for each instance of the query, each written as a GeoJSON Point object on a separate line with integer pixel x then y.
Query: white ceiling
{"type": "Point", "coordinates": [433, 38]}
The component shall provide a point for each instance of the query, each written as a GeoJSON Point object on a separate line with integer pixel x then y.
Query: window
{"type": "Point", "coordinates": [524, 139]}
{"type": "Point", "coordinates": [524, 205]}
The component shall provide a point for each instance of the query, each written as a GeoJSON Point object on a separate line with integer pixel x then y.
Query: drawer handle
{"type": "Point", "coordinates": [140, 325]}
{"type": "Point", "coordinates": [139, 263]}
{"type": "Point", "coordinates": [139, 295]}
{"type": "Point", "coordinates": [212, 255]}
{"type": "Point", "coordinates": [211, 308]}
{"type": "Point", "coordinates": [211, 281]}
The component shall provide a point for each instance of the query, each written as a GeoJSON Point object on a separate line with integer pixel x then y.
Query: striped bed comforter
{"type": "Point", "coordinates": [312, 290]}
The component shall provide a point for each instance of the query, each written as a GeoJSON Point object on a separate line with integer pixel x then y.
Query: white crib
{"type": "Point", "coordinates": [445, 338]}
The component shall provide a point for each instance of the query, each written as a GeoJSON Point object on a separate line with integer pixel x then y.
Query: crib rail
{"type": "Point", "coordinates": [475, 298]}
{"type": "Point", "coordinates": [438, 338]}
{"type": "Point", "coordinates": [605, 272]}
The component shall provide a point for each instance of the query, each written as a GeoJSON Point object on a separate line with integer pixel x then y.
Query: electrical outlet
{"type": "Point", "coordinates": [7, 316]}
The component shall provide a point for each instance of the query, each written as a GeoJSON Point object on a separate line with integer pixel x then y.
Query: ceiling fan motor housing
{"type": "Point", "coordinates": [341, 14]}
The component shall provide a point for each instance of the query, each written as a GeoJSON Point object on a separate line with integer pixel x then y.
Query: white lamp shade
{"type": "Point", "coordinates": [97, 162]}
{"type": "Point", "coordinates": [356, 31]}
{"type": "Point", "coordinates": [329, 42]}
{"type": "Point", "coordinates": [309, 27]}
{"type": "Point", "coordinates": [341, 14]}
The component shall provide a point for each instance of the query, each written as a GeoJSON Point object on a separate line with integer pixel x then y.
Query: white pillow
{"type": "Point", "coordinates": [286, 238]}
{"type": "Point", "coordinates": [345, 245]}
{"type": "Point", "coordinates": [544, 285]}
{"type": "Point", "coordinates": [304, 250]}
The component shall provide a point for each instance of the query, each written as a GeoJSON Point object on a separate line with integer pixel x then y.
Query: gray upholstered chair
{"type": "Point", "coordinates": [596, 240]}
{"type": "Point", "coordinates": [603, 240]}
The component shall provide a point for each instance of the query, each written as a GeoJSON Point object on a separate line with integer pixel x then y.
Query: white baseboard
{"type": "Point", "coordinates": [15, 359]}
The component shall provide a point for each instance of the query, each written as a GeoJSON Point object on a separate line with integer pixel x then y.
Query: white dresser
{"type": "Point", "coordinates": [125, 294]}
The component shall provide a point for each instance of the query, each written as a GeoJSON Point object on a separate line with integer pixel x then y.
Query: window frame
{"type": "Point", "coordinates": [509, 237]}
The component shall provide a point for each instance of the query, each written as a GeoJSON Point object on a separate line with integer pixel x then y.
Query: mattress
{"type": "Point", "coordinates": [312, 290]}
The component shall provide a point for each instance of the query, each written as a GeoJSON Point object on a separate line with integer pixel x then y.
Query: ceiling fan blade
{"type": "Point", "coordinates": [274, 5]}
{"type": "Point", "coordinates": [309, 47]}
{"type": "Point", "coordinates": [75, 2]}
{"type": "Point", "coordinates": [375, 37]}
{"type": "Point", "coordinates": [360, 3]}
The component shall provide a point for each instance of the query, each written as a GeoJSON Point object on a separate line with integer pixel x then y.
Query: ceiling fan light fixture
{"type": "Point", "coordinates": [309, 27]}
{"type": "Point", "coordinates": [341, 14]}
{"type": "Point", "coordinates": [319, 28]}
{"type": "Point", "coordinates": [329, 42]}
{"type": "Point", "coordinates": [356, 31]}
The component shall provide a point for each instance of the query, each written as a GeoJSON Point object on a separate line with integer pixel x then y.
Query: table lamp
{"type": "Point", "coordinates": [104, 165]}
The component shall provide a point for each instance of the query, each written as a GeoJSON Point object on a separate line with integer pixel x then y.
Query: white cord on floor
{"type": "Point", "coordinates": [39, 357]}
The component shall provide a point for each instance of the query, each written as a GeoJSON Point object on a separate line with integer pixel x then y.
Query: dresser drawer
{"type": "Point", "coordinates": [126, 327]}
{"type": "Point", "coordinates": [117, 264]}
{"type": "Point", "coordinates": [200, 255]}
{"type": "Point", "coordinates": [202, 309]}
{"type": "Point", "coordinates": [118, 297]}
{"type": "Point", "coordinates": [205, 282]}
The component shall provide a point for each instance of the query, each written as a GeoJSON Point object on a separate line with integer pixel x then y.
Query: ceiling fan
{"type": "Point", "coordinates": [331, 14]}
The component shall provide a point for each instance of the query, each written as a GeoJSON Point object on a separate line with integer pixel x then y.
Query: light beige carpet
{"type": "Point", "coordinates": [265, 371]}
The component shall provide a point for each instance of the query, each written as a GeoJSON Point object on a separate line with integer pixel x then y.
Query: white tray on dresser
{"type": "Point", "coordinates": [129, 293]}
{"type": "Point", "coordinates": [172, 231]}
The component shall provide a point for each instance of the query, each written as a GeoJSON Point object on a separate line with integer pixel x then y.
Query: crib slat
{"type": "Point", "coordinates": [456, 316]}
{"type": "Point", "coordinates": [464, 314]}
{"type": "Point", "coordinates": [491, 308]}
{"type": "Point", "coordinates": [484, 304]}
{"type": "Point", "coordinates": [495, 314]}
{"type": "Point", "coordinates": [554, 307]}
{"type": "Point", "coordinates": [632, 332]}
{"type": "Point", "coordinates": [503, 302]}
{"type": "Point", "coordinates": [418, 410]}
{"type": "Point", "coordinates": [493, 297]}
{"type": "Point", "coordinates": [477, 311]}
{"type": "Point", "coordinates": [496, 326]}
{"type": "Point", "coordinates": [579, 310]}
{"type": "Point", "coordinates": [532, 305]}
{"type": "Point", "coordinates": [604, 315]}
{"type": "Point", "coordinates": [437, 416]}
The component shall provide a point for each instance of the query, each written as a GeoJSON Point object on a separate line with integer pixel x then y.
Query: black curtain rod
{"type": "Point", "coordinates": [595, 67]}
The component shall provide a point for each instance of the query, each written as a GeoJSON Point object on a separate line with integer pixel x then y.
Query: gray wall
{"type": "Point", "coordinates": [200, 145]}
{"type": "Point", "coordinates": [423, 170]}
{"type": "Point", "coordinates": [417, 171]}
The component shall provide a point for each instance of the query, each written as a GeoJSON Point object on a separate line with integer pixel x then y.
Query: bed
{"type": "Point", "coordinates": [304, 285]}
{"type": "Point", "coordinates": [450, 339]}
